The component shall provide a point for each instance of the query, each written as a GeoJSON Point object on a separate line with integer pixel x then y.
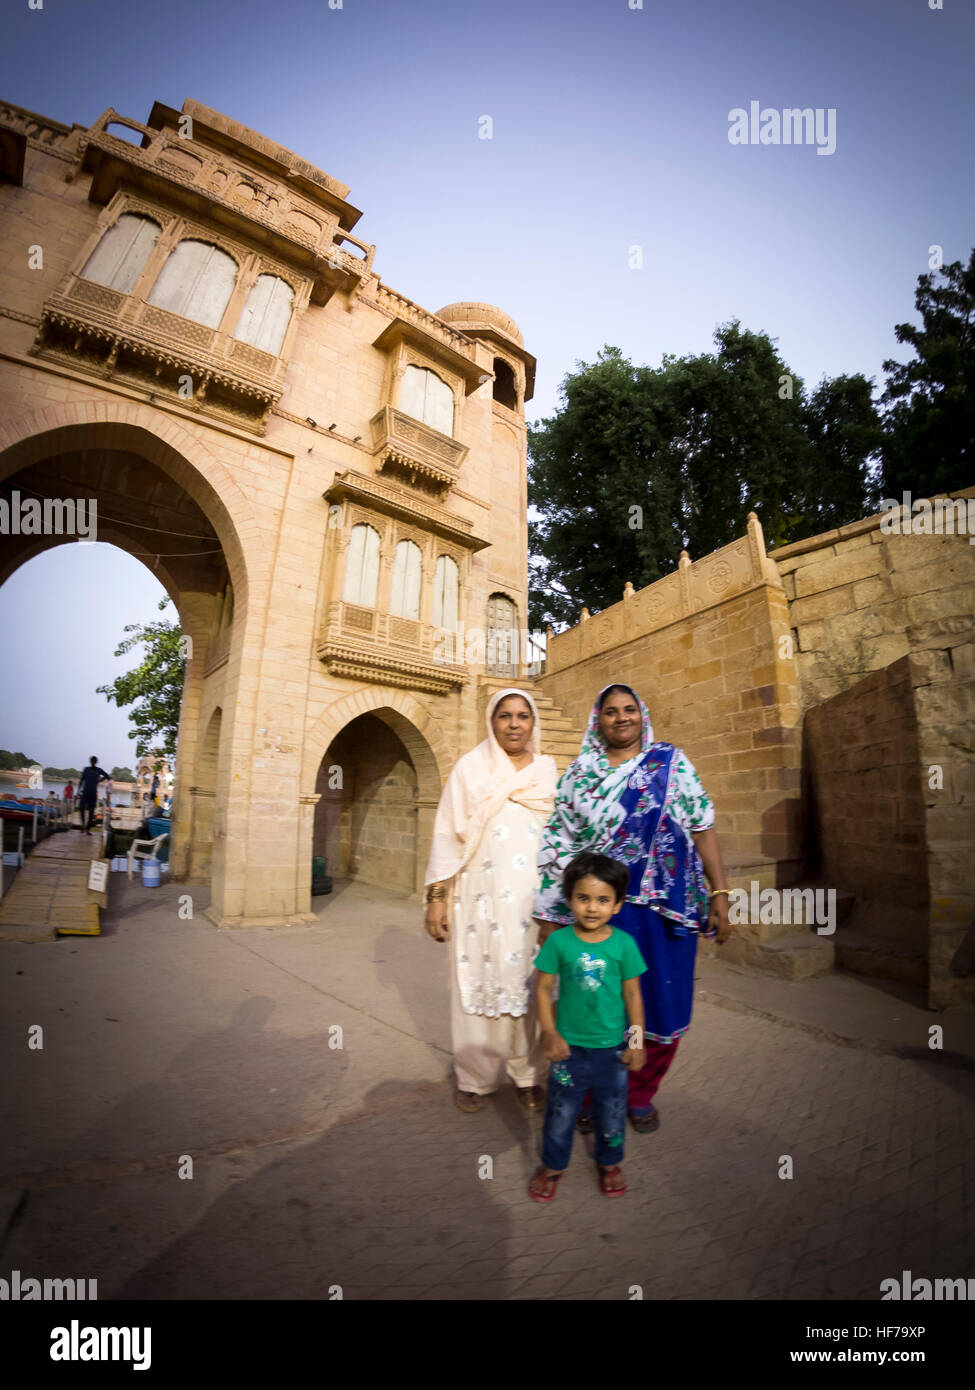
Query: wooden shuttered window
{"type": "Point", "coordinates": [120, 257]}
{"type": "Point", "coordinates": [196, 282]}
{"type": "Point", "coordinates": [362, 567]}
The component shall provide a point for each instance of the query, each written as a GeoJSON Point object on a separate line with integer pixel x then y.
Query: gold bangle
{"type": "Point", "coordinates": [436, 895]}
{"type": "Point", "coordinates": [716, 891]}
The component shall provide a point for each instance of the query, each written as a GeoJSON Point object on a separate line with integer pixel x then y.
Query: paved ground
{"type": "Point", "coordinates": [316, 1166]}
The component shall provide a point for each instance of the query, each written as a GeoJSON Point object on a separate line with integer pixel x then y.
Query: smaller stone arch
{"type": "Point", "coordinates": [203, 798]}
{"type": "Point", "coordinates": [410, 787]}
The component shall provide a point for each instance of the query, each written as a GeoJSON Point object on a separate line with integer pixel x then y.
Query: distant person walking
{"type": "Point", "coordinates": [88, 792]}
{"type": "Point", "coordinates": [69, 794]}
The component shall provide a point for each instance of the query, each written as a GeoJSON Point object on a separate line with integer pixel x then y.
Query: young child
{"type": "Point", "coordinates": [598, 969]}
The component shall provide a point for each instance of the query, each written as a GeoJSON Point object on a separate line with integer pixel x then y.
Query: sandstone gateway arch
{"type": "Point", "coordinates": [321, 473]}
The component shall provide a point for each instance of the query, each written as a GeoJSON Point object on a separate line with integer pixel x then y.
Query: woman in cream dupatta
{"type": "Point", "coordinates": [481, 881]}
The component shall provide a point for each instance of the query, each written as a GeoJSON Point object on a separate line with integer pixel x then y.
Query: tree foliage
{"type": "Point", "coordinates": [122, 774]}
{"type": "Point", "coordinates": [154, 688]}
{"type": "Point", "coordinates": [929, 437]}
{"type": "Point", "coordinates": [639, 463]}
{"type": "Point", "coordinates": [13, 762]}
{"type": "Point", "coordinates": [62, 774]}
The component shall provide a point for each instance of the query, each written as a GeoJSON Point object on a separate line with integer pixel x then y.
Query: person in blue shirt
{"type": "Point", "coordinates": [88, 792]}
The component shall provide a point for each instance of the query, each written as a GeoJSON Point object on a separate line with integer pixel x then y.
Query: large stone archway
{"type": "Point", "coordinates": [67, 450]}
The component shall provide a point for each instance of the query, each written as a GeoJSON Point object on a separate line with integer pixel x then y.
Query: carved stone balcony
{"type": "Point", "coordinates": [392, 499]}
{"type": "Point", "coordinates": [407, 448]}
{"type": "Point", "coordinates": [116, 335]}
{"type": "Point", "coordinates": [363, 644]}
{"type": "Point", "coordinates": [293, 210]}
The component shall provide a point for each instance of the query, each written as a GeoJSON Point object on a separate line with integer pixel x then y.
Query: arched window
{"type": "Point", "coordinates": [196, 282]}
{"type": "Point", "coordinates": [265, 317]}
{"type": "Point", "coordinates": [502, 637]}
{"type": "Point", "coordinates": [445, 589]}
{"type": "Point", "coordinates": [362, 567]}
{"type": "Point", "coordinates": [505, 390]}
{"type": "Point", "coordinates": [428, 398]}
{"type": "Point", "coordinates": [120, 257]}
{"type": "Point", "coordinates": [405, 598]}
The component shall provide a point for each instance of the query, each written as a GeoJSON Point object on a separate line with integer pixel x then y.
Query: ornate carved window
{"type": "Point", "coordinates": [196, 282]}
{"type": "Point", "coordinates": [427, 397]}
{"type": "Point", "coordinates": [502, 636]}
{"type": "Point", "coordinates": [120, 257]}
{"type": "Point", "coordinates": [265, 317]}
{"type": "Point", "coordinates": [362, 567]}
{"type": "Point", "coordinates": [445, 591]}
{"type": "Point", "coordinates": [404, 601]}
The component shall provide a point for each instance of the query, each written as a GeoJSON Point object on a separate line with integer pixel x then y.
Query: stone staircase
{"type": "Point", "coordinates": [875, 939]}
{"type": "Point", "coordinates": [782, 949]}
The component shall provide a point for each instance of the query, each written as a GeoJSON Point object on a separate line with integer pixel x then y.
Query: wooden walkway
{"type": "Point", "coordinates": [50, 895]}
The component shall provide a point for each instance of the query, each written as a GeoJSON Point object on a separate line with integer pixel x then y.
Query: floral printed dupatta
{"type": "Point", "coordinates": [624, 812]}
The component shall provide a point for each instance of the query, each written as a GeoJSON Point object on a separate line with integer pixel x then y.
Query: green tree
{"type": "Point", "coordinates": [639, 463]}
{"type": "Point", "coordinates": [62, 774]}
{"type": "Point", "coordinates": [122, 774]}
{"type": "Point", "coordinates": [929, 428]}
{"type": "Point", "coordinates": [154, 688]}
{"type": "Point", "coordinates": [13, 762]}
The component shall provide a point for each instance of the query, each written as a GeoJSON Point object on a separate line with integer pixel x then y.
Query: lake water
{"type": "Point", "coordinates": [122, 792]}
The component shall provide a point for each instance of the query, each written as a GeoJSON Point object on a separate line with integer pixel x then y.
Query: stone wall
{"type": "Point", "coordinates": [868, 635]}
{"type": "Point", "coordinates": [706, 648]}
{"type": "Point", "coordinates": [861, 597]}
{"type": "Point", "coordinates": [866, 806]}
{"type": "Point", "coordinates": [864, 597]}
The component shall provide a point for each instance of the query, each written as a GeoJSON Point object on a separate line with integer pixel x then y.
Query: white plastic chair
{"type": "Point", "coordinates": [148, 850]}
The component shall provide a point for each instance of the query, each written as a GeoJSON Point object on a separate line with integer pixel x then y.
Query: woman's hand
{"type": "Point", "coordinates": [718, 917]}
{"type": "Point", "coordinates": [554, 1046]}
{"type": "Point", "coordinates": [435, 921]}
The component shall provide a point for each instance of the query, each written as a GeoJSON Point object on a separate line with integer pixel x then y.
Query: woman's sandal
{"type": "Point", "coordinates": [530, 1097]}
{"type": "Point", "coordinates": [551, 1181]}
{"type": "Point", "coordinates": [645, 1124]}
{"type": "Point", "coordinates": [468, 1101]}
{"type": "Point", "coordinates": [605, 1174]}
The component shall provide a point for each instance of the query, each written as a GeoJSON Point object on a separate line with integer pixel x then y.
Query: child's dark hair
{"type": "Point", "coordinates": [609, 871]}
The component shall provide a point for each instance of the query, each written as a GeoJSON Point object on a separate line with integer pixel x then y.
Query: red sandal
{"type": "Point", "coordinates": [552, 1179]}
{"type": "Point", "coordinates": [605, 1173]}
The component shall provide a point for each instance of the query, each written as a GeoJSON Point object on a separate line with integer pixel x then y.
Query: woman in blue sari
{"type": "Point", "coordinates": [641, 802]}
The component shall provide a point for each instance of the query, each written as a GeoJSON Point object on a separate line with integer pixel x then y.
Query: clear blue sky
{"type": "Point", "coordinates": [610, 130]}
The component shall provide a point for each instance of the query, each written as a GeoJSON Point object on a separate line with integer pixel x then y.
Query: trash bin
{"type": "Point", "coordinates": [321, 882]}
{"type": "Point", "coordinates": [150, 873]}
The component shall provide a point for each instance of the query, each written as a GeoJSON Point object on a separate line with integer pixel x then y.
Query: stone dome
{"type": "Point", "coordinates": [474, 315]}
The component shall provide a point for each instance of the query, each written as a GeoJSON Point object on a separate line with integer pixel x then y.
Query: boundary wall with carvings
{"type": "Point", "coordinates": [731, 651]}
{"type": "Point", "coordinates": [707, 649]}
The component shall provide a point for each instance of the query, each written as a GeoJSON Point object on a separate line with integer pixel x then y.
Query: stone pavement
{"type": "Point", "coordinates": [318, 1166]}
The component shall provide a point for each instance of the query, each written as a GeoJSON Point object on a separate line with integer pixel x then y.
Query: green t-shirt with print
{"type": "Point", "coordinates": [591, 1012]}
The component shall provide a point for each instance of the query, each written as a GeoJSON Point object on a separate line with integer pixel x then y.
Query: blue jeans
{"type": "Point", "coordinates": [600, 1070]}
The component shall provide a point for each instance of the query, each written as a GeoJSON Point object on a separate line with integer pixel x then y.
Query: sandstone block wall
{"type": "Point", "coordinates": [715, 674]}
{"type": "Point", "coordinates": [861, 600]}
{"type": "Point", "coordinates": [867, 814]}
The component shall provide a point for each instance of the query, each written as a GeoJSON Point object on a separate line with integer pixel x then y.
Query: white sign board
{"type": "Point", "coordinates": [98, 875]}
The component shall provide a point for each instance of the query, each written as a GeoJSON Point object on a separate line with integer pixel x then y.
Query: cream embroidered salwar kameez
{"type": "Point", "coordinates": [485, 844]}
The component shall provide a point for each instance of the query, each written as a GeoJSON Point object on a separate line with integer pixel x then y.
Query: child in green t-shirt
{"type": "Point", "coordinates": [598, 969]}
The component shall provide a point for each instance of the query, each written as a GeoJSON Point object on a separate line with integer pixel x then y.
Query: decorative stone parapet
{"type": "Point", "coordinates": [693, 587]}
{"type": "Point", "coordinates": [406, 446]}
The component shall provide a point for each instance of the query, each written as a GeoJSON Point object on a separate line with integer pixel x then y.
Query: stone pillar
{"type": "Point", "coordinates": [196, 613]}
